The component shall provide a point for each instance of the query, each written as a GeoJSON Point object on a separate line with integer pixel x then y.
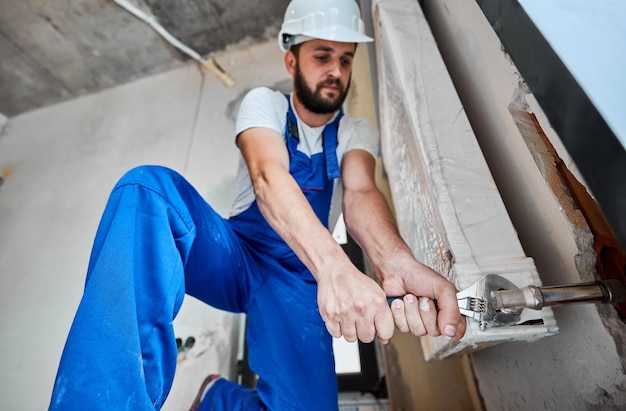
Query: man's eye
{"type": "Point", "coordinates": [322, 58]}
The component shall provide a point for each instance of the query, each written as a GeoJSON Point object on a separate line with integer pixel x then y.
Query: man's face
{"type": "Point", "coordinates": [322, 73]}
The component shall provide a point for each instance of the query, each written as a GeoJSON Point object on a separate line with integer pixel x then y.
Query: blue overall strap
{"type": "Point", "coordinates": [329, 140]}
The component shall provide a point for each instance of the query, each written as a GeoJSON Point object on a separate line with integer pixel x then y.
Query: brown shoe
{"type": "Point", "coordinates": [198, 399]}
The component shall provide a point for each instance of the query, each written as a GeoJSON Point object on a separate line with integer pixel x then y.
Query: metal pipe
{"type": "Point", "coordinates": [206, 64]}
{"type": "Point", "coordinates": [579, 293]}
{"type": "Point", "coordinates": [535, 298]}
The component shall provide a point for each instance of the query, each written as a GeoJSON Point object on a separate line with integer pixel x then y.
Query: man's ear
{"type": "Point", "coordinates": [290, 62]}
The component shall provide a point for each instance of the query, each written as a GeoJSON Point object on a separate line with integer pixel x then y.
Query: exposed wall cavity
{"type": "Point", "coordinates": [547, 160]}
{"type": "Point", "coordinates": [599, 249]}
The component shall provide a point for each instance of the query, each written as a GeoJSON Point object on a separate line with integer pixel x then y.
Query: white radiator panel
{"type": "Point", "coordinates": [447, 205]}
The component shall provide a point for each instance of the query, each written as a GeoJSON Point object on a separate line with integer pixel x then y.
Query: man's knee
{"type": "Point", "coordinates": [161, 180]}
{"type": "Point", "coordinates": [148, 175]}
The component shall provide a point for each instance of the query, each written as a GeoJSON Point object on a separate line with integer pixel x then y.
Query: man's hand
{"type": "Point", "coordinates": [370, 222]}
{"type": "Point", "coordinates": [354, 306]}
{"type": "Point", "coordinates": [416, 311]}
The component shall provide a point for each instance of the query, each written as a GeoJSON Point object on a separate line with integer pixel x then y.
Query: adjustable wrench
{"type": "Point", "coordinates": [474, 302]}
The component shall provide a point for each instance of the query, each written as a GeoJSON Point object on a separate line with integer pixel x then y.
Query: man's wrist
{"type": "Point", "coordinates": [393, 262]}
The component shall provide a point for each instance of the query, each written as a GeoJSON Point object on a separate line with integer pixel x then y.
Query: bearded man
{"type": "Point", "coordinates": [274, 258]}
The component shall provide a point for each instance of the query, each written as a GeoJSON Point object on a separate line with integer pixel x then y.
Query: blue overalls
{"type": "Point", "coordinates": [158, 239]}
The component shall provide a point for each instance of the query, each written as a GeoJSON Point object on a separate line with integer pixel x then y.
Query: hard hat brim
{"type": "Point", "coordinates": [340, 34]}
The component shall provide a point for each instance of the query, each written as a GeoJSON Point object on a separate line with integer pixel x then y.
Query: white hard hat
{"type": "Point", "coordinates": [334, 20]}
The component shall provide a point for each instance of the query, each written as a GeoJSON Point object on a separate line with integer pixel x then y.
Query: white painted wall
{"type": "Point", "coordinates": [64, 161]}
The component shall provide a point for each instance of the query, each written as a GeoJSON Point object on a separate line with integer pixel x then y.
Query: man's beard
{"type": "Point", "coordinates": [313, 100]}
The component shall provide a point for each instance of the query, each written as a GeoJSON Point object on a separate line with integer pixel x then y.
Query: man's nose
{"type": "Point", "coordinates": [334, 69]}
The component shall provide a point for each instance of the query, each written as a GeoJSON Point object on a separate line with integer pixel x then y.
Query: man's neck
{"type": "Point", "coordinates": [310, 118]}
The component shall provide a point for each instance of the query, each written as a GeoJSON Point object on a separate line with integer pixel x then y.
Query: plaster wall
{"type": "Point", "coordinates": [583, 367]}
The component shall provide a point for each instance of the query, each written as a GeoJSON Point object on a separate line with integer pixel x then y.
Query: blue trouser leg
{"type": "Point", "coordinates": [157, 240]}
{"type": "Point", "coordinates": [121, 351]}
{"type": "Point", "coordinates": [289, 347]}
{"type": "Point", "coordinates": [225, 395]}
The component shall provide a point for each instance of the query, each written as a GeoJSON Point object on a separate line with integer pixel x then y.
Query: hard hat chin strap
{"type": "Point", "coordinates": [289, 40]}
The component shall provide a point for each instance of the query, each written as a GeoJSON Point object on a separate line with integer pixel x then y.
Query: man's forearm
{"type": "Point", "coordinates": [370, 222]}
{"type": "Point", "coordinates": [286, 209]}
{"type": "Point", "coordinates": [283, 204]}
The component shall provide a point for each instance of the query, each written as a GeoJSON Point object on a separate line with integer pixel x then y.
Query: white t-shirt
{"type": "Point", "coordinates": [263, 107]}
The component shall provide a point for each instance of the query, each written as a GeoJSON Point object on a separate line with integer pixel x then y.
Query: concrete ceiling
{"type": "Point", "coordinates": [55, 50]}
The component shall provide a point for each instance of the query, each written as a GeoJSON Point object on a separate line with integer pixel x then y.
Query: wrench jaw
{"type": "Point", "coordinates": [476, 302]}
{"type": "Point", "coordinates": [494, 317]}
{"type": "Point", "coordinates": [470, 305]}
